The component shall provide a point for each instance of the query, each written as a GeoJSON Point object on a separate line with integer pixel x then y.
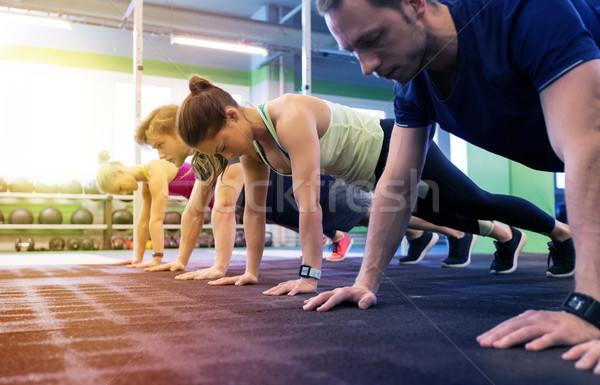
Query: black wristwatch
{"type": "Point", "coordinates": [584, 307]}
{"type": "Point", "coordinates": [156, 255]}
{"type": "Point", "coordinates": [309, 272]}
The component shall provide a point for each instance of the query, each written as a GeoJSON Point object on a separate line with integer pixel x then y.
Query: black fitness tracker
{"type": "Point", "coordinates": [309, 272]}
{"type": "Point", "coordinates": [155, 255]}
{"type": "Point", "coordinates": [584, 307]}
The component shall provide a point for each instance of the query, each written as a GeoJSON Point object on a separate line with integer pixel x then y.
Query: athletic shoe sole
{"type": "Point", "coordinates": [564, 275]}
{"type": "Point", "coordinates": [515, 257]}
{"type": "Point", "coordinates": [432, 242]}
{"type": "Point", "coordinates": [343, 256]}
{"type": "Point", "coordinates": [468, 261]}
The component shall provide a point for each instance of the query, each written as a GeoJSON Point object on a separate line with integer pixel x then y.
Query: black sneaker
{"type": "Point", "coordinates": [505, 257]}
{"type": "Point", "coordinates": [459, 251]}
{"type": "Point", "coordinates": [417, 248]}
{"type": "Point", "coordinates": [562, 255]}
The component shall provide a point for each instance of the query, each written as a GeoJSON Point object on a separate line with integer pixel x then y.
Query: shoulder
{"type": "Point", "coordinates": [161, 166]}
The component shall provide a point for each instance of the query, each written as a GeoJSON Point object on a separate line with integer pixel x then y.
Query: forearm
{"type": "Point", "coordinates": [311, 238]}
{"type": "Point", "coordinates": [141, 239]}
{"type": "Point", "coordinates": [254, 228]}
{"type": "Point", "coordinates": [157, 235]}
{"type": "Point", "coordinates": [583, 193]}
{"type": "Point", "coordinates": [389, 219]}
{"type": "Point", "coordinates": [191, 227]}
{"type": "Point", "coordinates": [224, 231]}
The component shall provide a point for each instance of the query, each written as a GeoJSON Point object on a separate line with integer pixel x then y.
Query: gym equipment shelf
{"type": "Point", "coordinates": [106, 227]}
{"type": "Point", "coordinates": [55, 196]}
{"type": "Point", "coordinates": [53, 227]}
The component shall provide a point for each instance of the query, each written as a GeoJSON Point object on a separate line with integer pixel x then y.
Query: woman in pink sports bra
{"type": "Point", "coordinates": [161, 179]}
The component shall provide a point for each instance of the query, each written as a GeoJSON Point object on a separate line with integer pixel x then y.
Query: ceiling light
{"type": "Point", "coordinates": [37, 20]}
{"type": "Point", "coordinates": [218, 45]}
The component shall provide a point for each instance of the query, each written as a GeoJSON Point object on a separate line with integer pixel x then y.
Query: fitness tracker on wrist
{"type": "Point", "coordinates": [584, 307]}
{"type": "Point", "coordinates": [156, 255]}
{"type": "Point", "coordinates": [309, 272]}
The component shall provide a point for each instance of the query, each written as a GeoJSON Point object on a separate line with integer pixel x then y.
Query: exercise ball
{"type": "Point", "coordinates": [71, 187]}
{"type": "Point", "coordinates": [50, 216]}
{"type": "Point", "coordinates": [20, 217]}
{"type": "Point", "coordinates": [3, 185]}
{"type": "Point", "coordinates": [172, 218]}
{"type": "Point", "coordinates": [41, 187]}
{"type": "Point", "coordinates": [73, 244]}
{"type": "Point", "coordinates": [21, 185]}
{"type": "Point", "coordinates": [56, 244]}
{"type": "Point", "coordinates": [1, 218]}
{"type": "Point", "coordinates": [122, 217]}
{"type": "Point", "coordinates": [91, 187]}
{"type": "Point", "coordinates": [82, 216]}
{"type": "Point", "coordinates": [87, 244]}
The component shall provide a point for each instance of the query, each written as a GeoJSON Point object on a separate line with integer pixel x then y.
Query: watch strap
{"type": "Point", "coordinates": [583, 306]}
{"type": "Point", "coordinates": [309, 272]}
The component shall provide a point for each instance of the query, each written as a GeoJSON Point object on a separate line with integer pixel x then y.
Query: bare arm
{"type": "Point", "coordinates": [297, 131]}
{"type": "Point", "coordinates": [158, 187]}
{"type": "Point", "coordinates": [227, 192]}
{"type": "Point", "coordinates": [256, 179]}
{"type": "Point", "coordinates": [229, 188]}
{"type": "Point", "coordinates": [192, 222]}
{"type": "Point", "coordinates": [572, 111]}
{"type": "Point", "coordinates": [142, 229]}
{"type": "Point", "coordinates": [394, 198]}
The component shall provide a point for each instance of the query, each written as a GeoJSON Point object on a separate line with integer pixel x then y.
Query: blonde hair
{"type": "Point", "coordinates": [161, 121]}
{"type": "Point", "coordinates": [106, 172]}
{"type": "Point", "coordinates": [208, 167]}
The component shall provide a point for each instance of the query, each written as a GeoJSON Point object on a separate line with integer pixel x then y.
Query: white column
{"type": "Point", "coordinates": [138, 31]}
{"type": "Point", "coordinates": [306, 48]}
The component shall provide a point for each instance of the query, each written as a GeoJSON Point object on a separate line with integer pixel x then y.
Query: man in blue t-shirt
{"type": "Point", "coordinates": [519, 78]}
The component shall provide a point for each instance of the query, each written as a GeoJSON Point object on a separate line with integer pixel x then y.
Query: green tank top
{"type": "Point", "coordinates": [350, 148]}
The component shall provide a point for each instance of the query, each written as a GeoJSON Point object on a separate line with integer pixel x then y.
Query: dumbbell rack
{"type": "Point", "coordinates": [106, 227]}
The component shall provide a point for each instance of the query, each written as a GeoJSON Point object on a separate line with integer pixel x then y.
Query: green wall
{"type": "Point", "coordinates": [502, 176]}
{"type": "Point", "coordinates": [88, 60]}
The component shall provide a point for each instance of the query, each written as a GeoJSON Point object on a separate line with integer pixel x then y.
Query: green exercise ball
{"type": "Point", "coordinates": [21, 185]}
{"type": "Point", "coordinates": [46, 188]}
{"type": "Point", "coordinates": [91, 187]}
{"type": "Point", "coordinates": [122, 217]}
{"type": "Point", "coordinates": [20, 217]}
{"type": "Point", "coordinates": [3, 185]}
{"type": "Point", "coordinates": [82, 216]}
{"type": "Point", "coordinates": [71, 187]}
{"type": "Point", "coordinates": [50, 216]}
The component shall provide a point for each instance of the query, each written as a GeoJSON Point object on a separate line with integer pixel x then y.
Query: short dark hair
{"type": "Point", "coordinates": [324, 6]}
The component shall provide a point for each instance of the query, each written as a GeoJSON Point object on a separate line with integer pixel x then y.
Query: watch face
{"type": "Point", "coordinates": [576, 303]}
{"type": "Point", "coordinates": [304, 270]}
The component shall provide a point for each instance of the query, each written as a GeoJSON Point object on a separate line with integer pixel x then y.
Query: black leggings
{"type": "Point", "coordinates": [462, 203]}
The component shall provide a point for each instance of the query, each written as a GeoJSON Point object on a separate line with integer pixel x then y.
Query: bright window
{"type": "Point", "coordinates": [46, 124]}
{"type": "Point", "coordinates": [124, 145]}
{"type": "Point", "coordinates": [560, 180]}
{"type": "Point", "coordinates": [374, 113]}
{"type": "Point", "coordinates": [458, 153]}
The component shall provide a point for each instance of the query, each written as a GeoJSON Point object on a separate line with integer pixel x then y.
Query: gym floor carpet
{"type": "Point", "coordinates": [72, 318]}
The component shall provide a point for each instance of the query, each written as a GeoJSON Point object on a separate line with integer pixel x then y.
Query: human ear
{"type": "Point", "coordinates": [232, 114]}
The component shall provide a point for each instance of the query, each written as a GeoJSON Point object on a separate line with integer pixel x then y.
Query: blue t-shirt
{"type": "Point", "coordinates": [509, 51]}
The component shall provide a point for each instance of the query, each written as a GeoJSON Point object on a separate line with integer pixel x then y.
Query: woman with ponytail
{"type": "Point", "coordinates": [160, 179]}
{"type": "Point", "coordinates": [304, 136]}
